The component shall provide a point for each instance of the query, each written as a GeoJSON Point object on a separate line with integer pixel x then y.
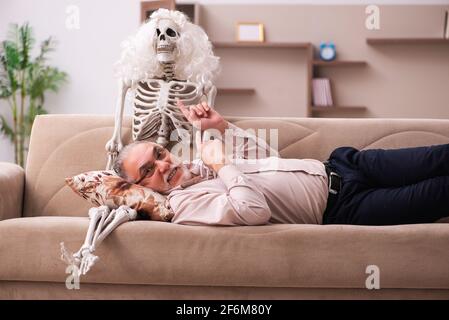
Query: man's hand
{"type": "Point", "coordinates": [212, 153]}
{"type": "Point", "coordinates": [203, 117]}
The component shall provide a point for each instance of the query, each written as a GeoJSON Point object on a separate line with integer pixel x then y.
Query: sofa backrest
{"type": "Point", "coordinates": [64, 145]}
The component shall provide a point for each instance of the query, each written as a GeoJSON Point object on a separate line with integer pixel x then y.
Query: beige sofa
{"type": "Point", "coordinates": [155, 260]}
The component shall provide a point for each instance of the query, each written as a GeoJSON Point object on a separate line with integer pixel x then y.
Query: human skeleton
{"type": "Point", "coordinates": [155, 115]}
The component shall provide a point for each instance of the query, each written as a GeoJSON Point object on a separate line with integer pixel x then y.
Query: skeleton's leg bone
{"type": "Point", "coordinates": [104, 214]}
{"type": "Point", "coordinates": [88, 259]}
{"type": "Point", "coordinates": [94, 215]}
{"type": "Point", "coordinates": [109, 218]}
{"type": "Point", "coordinates": [122, 214]}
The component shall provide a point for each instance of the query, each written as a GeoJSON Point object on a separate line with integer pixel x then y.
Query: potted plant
{"type": "Point", "coordinates": [24, 80]}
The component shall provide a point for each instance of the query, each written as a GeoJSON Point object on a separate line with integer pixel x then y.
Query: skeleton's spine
{"type": "Point", "coordinates": [169, 71]}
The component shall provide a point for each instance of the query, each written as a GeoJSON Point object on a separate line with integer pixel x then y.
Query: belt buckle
{"type": "Point", "coordinates": [333, 191]}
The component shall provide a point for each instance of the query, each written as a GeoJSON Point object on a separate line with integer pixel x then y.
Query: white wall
{"type": "Point", "coordinates": [87, 54]}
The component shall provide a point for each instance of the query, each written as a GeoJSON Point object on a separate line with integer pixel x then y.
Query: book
{"type": "Point", "coordinates": [321, 92]}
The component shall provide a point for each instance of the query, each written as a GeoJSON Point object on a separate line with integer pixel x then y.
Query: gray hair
{"type": "Point", "coordinates": [123, 154]}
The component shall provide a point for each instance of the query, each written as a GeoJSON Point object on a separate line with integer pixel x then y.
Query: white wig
{"type": "Point", "coordinates": [195, 60]}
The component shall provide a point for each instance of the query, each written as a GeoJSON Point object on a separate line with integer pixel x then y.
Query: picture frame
{"type": "Point", "coordinates": [148, 7]}
{"type": "Point", "coordinates": [250, 32]}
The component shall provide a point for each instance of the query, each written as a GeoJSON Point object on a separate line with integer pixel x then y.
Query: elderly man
{"type": "Point", "coordinates": [370, 187]}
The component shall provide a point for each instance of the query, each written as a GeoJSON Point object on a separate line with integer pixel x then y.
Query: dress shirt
{"type": "Point", "coordinates": [252, 191]}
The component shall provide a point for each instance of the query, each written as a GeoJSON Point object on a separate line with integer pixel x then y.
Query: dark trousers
{"type": "Point", "coordinates": [389, 187]}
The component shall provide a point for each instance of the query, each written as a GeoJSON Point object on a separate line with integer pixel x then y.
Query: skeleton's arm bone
{"type": "Point", "coordinates": [114, 145]}
{"type": "Point", "coordinates": [211, 94]}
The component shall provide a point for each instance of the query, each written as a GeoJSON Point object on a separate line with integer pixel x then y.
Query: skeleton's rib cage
{"type": "Point", "coordinates": [155, 109]}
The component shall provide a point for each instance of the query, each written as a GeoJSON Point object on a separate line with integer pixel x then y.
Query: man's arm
{"type": "Point", "coordinates": [242, 203]}
{"type": "Point", "coordinates": [244, 144]}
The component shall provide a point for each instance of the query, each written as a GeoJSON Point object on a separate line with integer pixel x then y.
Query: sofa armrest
{"type": "Point", "coordinates": [12, 181]}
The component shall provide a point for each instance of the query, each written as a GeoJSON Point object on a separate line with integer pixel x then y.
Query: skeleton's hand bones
{"type": "Point", "coordinates": [203, 117]}
{"type": "Point", "coordinates": [114, 145]}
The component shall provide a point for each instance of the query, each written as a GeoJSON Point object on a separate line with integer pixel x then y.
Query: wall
{"type": "Point", "coordinates": [399, 81]}
{"type": "Point", "coordinates": [86, 54]}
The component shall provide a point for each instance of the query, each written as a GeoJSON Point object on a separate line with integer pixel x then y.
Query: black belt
{"type": "Point", "coordinates": [334, 187]}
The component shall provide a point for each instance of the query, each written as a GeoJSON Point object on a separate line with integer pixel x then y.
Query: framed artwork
{"type": "Point", "coordinates": [250, 32]}
{"type": "Point", "coordinates": [148, 7]}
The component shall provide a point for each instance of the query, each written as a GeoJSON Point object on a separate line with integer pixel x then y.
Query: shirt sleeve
{"type": "Point", "coordinates": [242, 203]}
{"type": "Point", "coordinates": [246, 145]}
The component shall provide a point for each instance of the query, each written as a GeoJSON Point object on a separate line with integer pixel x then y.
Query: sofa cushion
{"type": "Point", "coordinates": [289, 255]}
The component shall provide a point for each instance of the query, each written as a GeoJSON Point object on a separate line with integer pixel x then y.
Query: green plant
{"type": "Point", "coordinates": [23, 83]}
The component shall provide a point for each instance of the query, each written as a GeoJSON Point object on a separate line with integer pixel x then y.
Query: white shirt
{"type": "Point", "coordinates": [254, 191]}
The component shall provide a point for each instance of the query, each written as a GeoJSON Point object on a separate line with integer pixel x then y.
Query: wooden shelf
{"type": "Point", "coordinates": [337, 108]}
{"type": "Point", "coordinates": [374, 41]}
{"type": "Point", "coordinates": [338, 63]}
{"type": "Point", "coordinates": [236, 91]}
{"type": "Point", "coordinates": [288, 45]}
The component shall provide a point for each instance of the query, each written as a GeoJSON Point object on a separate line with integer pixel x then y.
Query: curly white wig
{"type": "Point", "coordinates": [195, 60]}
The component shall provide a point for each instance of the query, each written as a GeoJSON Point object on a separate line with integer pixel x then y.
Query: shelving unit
{"type": "Point", "coordinates": [192, 10]}
{"type": "Point", "coordinates": [230, 91]}
{"type": "Point", "coordinates": [316, 65]}
{"type": "Point", "coordinates": [337, 63]}
{"type": "Point", "coordinates": [278, 45]}
{"type": "Point", "coordinates": [271, 45]}
{"type": "Point", "coordinates": [381, 41]}
{"type": "Point", "coordinates": [337, 108]}
{"type": "Point", "coordinates": [312, 67]}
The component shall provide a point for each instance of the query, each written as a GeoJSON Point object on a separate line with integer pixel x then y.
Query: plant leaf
{"type": "Point", "coordinates": [6, 129]}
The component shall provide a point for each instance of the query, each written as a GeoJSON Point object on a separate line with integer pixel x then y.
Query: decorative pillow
{"type": "Point", "coordinates": [107, 188]}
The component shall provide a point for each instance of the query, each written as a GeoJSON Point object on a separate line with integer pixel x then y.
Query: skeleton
{"type": "Point", "coordinates": [155, 110]}
{"type": "Point", "coordinates": [155, 115]}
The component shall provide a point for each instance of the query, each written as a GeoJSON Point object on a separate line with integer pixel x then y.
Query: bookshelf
{"type": "Point", "coordinates": [278, 45]}
{"type": "Point", "coordinates": [270, 45]}
{"type": "Point", "coordinates": [336, 63]}
{"type": "Point", "coordinates": [313, 65]}
{"type": "Point", "coordinates": [236, 91]}
{"type": "Point", "coordinates": [321, 110]}
{"type": "Point", "coordinates": [384, 41]}
{"type": "Point", "coordinates": [316, 65]}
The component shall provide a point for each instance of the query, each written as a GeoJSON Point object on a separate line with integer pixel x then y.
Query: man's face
{"type": "Point", "coordinates": [152, 166]}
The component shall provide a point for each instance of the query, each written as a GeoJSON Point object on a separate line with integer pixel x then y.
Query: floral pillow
{"type": "Point", "coordinates": [106, 188]}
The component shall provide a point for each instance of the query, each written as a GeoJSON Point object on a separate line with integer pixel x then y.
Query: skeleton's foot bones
{"type": "Point", "coordinates": [102, 222]}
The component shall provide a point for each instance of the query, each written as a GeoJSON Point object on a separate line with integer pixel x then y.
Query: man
{"type": "Point", "coordinates": [370, 187]}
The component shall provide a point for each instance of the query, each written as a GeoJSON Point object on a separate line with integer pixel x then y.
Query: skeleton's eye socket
{"type": "Point", "coordinates": [158, 32]}
{"type": "Point", "coordinates": [171, 32]}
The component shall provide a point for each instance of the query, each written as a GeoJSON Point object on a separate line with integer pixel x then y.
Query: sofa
{"type": "Point", "coordinates": [158, 260]}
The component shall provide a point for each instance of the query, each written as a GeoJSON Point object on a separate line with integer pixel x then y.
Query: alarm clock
{"type": "Point", "coordinates": [327, 51]}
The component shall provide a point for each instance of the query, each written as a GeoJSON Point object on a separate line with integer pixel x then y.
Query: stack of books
{"type": "Point", "coordinates": [321, 89]}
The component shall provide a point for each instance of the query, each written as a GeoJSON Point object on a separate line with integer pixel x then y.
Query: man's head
{"type": "Point", "coordinates": [150, 165]}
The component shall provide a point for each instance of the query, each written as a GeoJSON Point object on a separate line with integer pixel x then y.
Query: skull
{"type": "Point", "coordinates": [167, 35]}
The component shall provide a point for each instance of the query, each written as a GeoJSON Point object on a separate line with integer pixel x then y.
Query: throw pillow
{"type": "Point", "coordinates": [107, 188]}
